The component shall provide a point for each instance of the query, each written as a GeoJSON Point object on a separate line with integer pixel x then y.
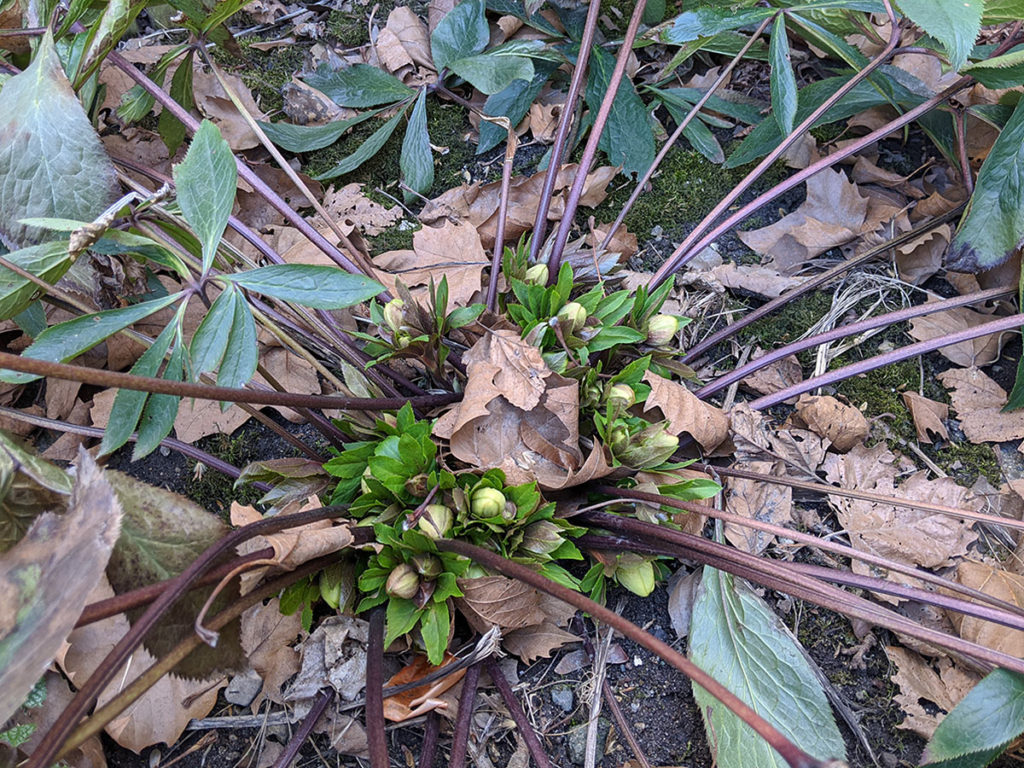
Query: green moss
{"type": "Point", "coordinates": [350, 29]}
{"type": "Point", "coordinates": [789, 323]}
{"type": "Point", "coordinates": [264, 72]}
{"type": "Point", "coordinates": [215, 491]}
{"type": "Point", "coordinates": [966, 462]}
{"type": "Point", "coordinates": [392, 239]}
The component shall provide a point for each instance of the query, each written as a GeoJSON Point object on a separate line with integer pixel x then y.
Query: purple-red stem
{"type": "Point", "coordinates": [499, 232]}
{"type": "Point", "coordinates": [789, 751]}
{"type": "Point", "coordinates": [376, 737]}
{"type": "Point", "coordinates": [515, 709]}
{"type": "Point", "coordinates": [428, 749]}
{"type": "Point", "coordinates": [590, 150]}
{"type": "Point", "coordinates": [291, 750]}
{"type": "Point", "coordinates": [467, 702]}
{"type": "Point", "coordinates": [1002, 325]}
{"type": "Point", "coordinates": [843, 331]}
{"type": "Point", "coordinates": [558, 148]}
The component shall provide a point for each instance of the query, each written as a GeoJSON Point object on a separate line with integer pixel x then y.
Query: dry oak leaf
{"type": "Point", "coordinates": [928, 416]}
{"type": "Point", "coordinates": [163, 711]}
{"type": "Point", "coordinates": [294, 546]}
{"type": "Point", "coordinates": [998, 583]}
{"type": "Point", "coordinates": [350, 206]}
{"type": "Point", "coordinates": [834, 213]}
{"type": "Point", "coordinates": [451, 250]}
{"type": "Point", "coordinates": [978, 402]}
{"type": "Point", "coordinates": [268, 637]}
{"type": "Point", "coordinates": [980, 351]}
{"type": "Point", "coordinates": [686, 412]}
{"type": "Point", "coordinates": [756, 500]}
{"type": "Point", "coordinates": [917, 680]}
{"type": "Point", "coordinates": [498, 601]}
{"type": "Point", "coordinates": [538, 641]}
{"type": "Point", "coordinates": [843, 425]}
{"type": "Point", "coordinates": [911, 536]}
{"type": "Point", "coordinates": [754, 279]}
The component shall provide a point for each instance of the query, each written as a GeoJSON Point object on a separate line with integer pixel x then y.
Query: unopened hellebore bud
{"type": "Point", "coordinates": [647, 448]}
{"type": "Point", "coordinates": [621, 397]}
{"type": "Point", "coordinates": [394, 314]}
{"type": "Point", "coordinates": [428, 566]}
{"type": "Point", "coordinates": [537, 275]}
{"type": "Point", "coordinates": [403, 582]}
{"type": "Point", "coordinates": [662, 329]}
{"type": "Point", "coordinates": [417, 485]}
{"type": "Point", "coordinates": [635, 574]}
{"type": "Point", "coordinates": [572, 317]}
{"type": "Point", "coordinates": [487, 502]}
{"type": "Point", "coordinates": [435, 522]}
{"type": "Point", "coordinates": [542, 538]}
{"type": "Point", "coordinates": [402, 339]}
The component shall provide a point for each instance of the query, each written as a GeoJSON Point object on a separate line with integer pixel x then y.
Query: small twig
{"type": "Point", "coordinates": [598, 681]}
{"type": "Point", "coordinates": [467, 701]}
{"type": "Point", "coordinates": [499, 233]}
{"type": "Point", "coordinates": [295, 743]}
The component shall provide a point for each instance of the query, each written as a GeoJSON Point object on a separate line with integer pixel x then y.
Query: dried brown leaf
{"type": "Point", "coordinates": [928, 416]}
{"type": "Point", "coordinates": [295, 546]}
{"type": "Point", "coordinates": [843, 425]}
{"type": "Point", "coordinates": [980, 351]}
{"type": "Point", "coordinates": [404, 41]}
{"type": "Point", "coordinates": [425, 698]}
{"type": "Point", "coordinates": [754, 279]}
{"type": "Point", "coordinates": [334, 654]}
{"type": "Point", "coordinates": [978, 402]}
{"type": "Point", "coordinates": [775, 376]}
{"type": "Point", "coordinates": [1001, 584]}
{"type": "Point", "coordinates": [213, 102]}
{"type": "Point", "coordinates": [268, 637]}
{"type": "Point", "coordinates": [921, 258]}
{"type": "Point", "coordinates": [756, 500]}
{"type": "Point", "coordinates": [350, 206]}
{"type": "Point", "coordinates": [497, 601]}
{"type": "Point", "coordinates": [943, 685]}
{"type": "Point", "coordinates": [687, 413]}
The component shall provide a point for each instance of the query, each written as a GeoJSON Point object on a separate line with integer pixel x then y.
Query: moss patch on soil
{"type": "Point", "coordinates": [215, 491]}
{"type": "Point", "coordinates": [264, 72]}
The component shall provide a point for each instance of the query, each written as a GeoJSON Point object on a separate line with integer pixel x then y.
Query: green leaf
{"type": "Point", "coordinates": [206, 181]}
{"type": "Point", "coordinates": [312, 286]}
{"type": "Point", "coordinates": [128, 403]}
{"type": "Point", "coordinates": [211, 337]}
{"type": "Point", "coordinates": [991, 230]}
{"type": "Point", "coordinates": [981, 726]}
{"type": "Point", "coordinates": [434, 627]}
{"type": "Point", "coordinates": [1000, 11]}
{"type": "Point", "coordinates": [954, 23]}
{"type": "Point", "coordinates": [609, 337]}
{"type": "Point", "coordinates": [513, 102]}
{"type": "Point", "coordinates": [66, 340]}
{"type": "Point", "coordinates": [170, 128]}
{"type": "Point", "coordinates": [416, 161]}
{"type": "Point", "coordinates": [627, 140]}
{"type": "Point", "coordinates": [402, 616]}
{"type": "Point", "coordinates": [740, 642]}
{"type": "Point", "coordinates": [306, 138]}
{"type": "Point", "coordinates": [705, 22]}
{"type": "Point", "coordinates": [359, 86]}
{"type": "Point", "coordinates": [1006, 71]}
{"type": "Point", "coordinates": [463, 316]}
{"type": "Point", "coordinates": [48, 261]}
{"type": "Point", "coordinates": [366, 150]}
{"type": "Point", "coordinates": [241, 355]}
{"type": "Point", "coordinates": [490, 73]}
{"type": "Point", "coordinates": [462, 32]}
{"type": "Point", "coordinates": [51, 160]}
{"type": "Point", "coordinates": [783, 80]}
{"type": "Point", "coordinates": [161, 410]}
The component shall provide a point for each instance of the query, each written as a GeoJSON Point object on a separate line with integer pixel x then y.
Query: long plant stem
{"type": "Point", "coordinates": [291, 750]}
{"type": "Point", "coordinates": [515, 709]}
{"type": "Point", "coordinates": [375, 734]}
{"type": "Point", "coordinates": [844, 331]}
{"type": "Point", "coordinates": [499, 233]}
{"type": "Point", "coordinates": [590, 150]}
{"type": "Point", "coordinates": [100, 378]}
{"type": "Point", "coordinates": [467, 703]}
{"type": "Point", "coordinates": [671, 141]}
{"type": "Point", "coordinates": [790, 752]}
{"type": "Point", "coordinates": [559, 147]}
{"type": "Point", "coordinates": [428, 749]}
{"type": "Point", "coordinates": [815, 282]}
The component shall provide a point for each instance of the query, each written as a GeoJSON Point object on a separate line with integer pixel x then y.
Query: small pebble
{"type": "Point", "coordinates": [243, 688]}
{"type": "Point", "coordinates": [562, 697]}
{"type": "Point", "coordinates": [637, 661]}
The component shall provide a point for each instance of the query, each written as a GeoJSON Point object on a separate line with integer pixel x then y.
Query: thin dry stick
{"type": "Point", "coordinates": [499, 234]}
{"type": "Point", "coordinates": [600, 659]}
{"type": "Point", "coordinates": [790, 752]}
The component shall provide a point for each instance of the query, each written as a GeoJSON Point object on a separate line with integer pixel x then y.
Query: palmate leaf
{"type": "Point", "coordinates": [51, 160]}
{"type": "Point", "coordinates": [206, 180]}
{"type": "Point", "coordinates": [954, 23]}
{"type": "Point", "coordinates": [739, 641]}
{"type": "Point", "coordinates": [416, 161]}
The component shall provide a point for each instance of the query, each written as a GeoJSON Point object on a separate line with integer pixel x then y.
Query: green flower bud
{"type": "Point", "coordinates": [436, 521]}
{"type": "Point", "coordinates": [591, 396]}
{"type": "Point", "coordinates": [618, 438]}
{"type": "Point", "coordinates": [537, 275]}
{"type": "Point", "coordinates": [647, 448]}
{"type": "Point", "coordinates": [542, 538]}
{"type": "Point", "coordinates": [635, 573]}
{"type": "Point", "coordinates": [403, 582]}
{"type": "Point", "coordinates": [572, 317]}
{"type": "Point", "coordinates": [620, 397]}
{"type": "Point", "coordinates": [428, 566]}
{"type": "Point", "coordinates": [417, 485]}
{"type": "Point", "coordinates": [394, 314]}
{"type": "Point", "coordinates": [662, 329]}
{"type": "Point", "coordinates": [487, 502]}
{"type": "Point", "coordinates": [402, 339]}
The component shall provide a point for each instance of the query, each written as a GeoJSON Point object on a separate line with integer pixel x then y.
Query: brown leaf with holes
{"type": "Point", "coordinates": [978, 402]}
{"type": "Point", "coordinates": [980, 351]}
{"type": "Point", "coordinates": [1001, 584]}
{"type": "Point", "coordinates": [497, 601]}
{"type": "Point", "coordinates": [928, 416]}
{"type": "Point", "coordinates": [942, 684]}
{"type": "Point", "coordinates": [687, 413]}
{"type": "Point", "coordinates": [843, 425]}
{"type": "Point", "coordinates": [348, 205]}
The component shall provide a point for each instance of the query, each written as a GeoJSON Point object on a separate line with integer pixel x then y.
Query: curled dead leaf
{"type": "Point", "coordinates": [687, 413]}
{"type": "Point", "coordinates": [928, 416]}
{"type": "Point", "coordinates": [842, 424]}
{"type": "Point", "coordinates": [978, 402]}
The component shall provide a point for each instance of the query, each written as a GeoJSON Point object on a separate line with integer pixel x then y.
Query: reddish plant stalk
{"type": "Point", "coordinates": [790, 752]}
{"type": "Point", "coordinates": [590, 150]}
{"type": "Point", "coordinates": [467, 703]}
{"type": "Point", "coordinates": [152, 385]}
{"type": "Point", "coordinates": [1002, 325]}
{"type": "Point", "coordinates": [291, 750]}
{"type": "Point", "coordinates": [540, 223]}
{"type": "Point", "coordinates": [428, 750]}
{"type": "Point", "coordinates": [515, 709]}
{"type": "Point", "coordinates": [499, 232]}
{"type": "Point", "coordinates": [814, 282]}
{"type": "Point", "coordinates": [376, 737]}
{"type": "Point", "coordinates": [44, 754]}
{"type": "Point", "coordinates": [671, 141]}
{"type": "Point", "coordinates": [843, 331]}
